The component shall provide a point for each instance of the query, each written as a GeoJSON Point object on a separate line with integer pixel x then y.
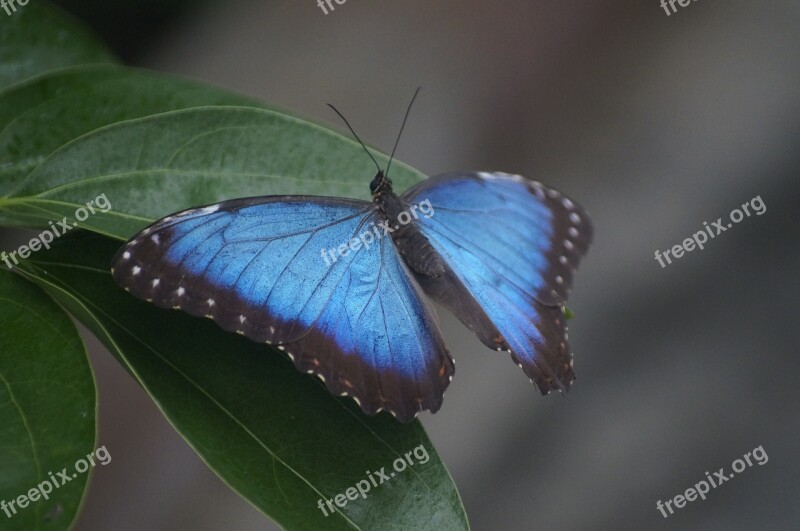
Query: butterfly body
{"type": "Point", "coordinates": [415, 248]}
{"type": "Point", "coordinates": [497, 250]}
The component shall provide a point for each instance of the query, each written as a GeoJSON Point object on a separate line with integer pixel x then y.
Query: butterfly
{"type": "Point", "coordinates": [344, 287]}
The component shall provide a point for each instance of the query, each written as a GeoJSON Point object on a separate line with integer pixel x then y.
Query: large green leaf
{"type": "Point", "coordinates": [47, 407]}
{"type": "Point", "coordinates": [36, 42]}
{"type": "Point", "coordinates": [150, 167]}
{"type": "Point", "coordinates": [275, 435]}
{"type": "Point", "coordinates": [40, 116]}
{"type": "Point", "coordinates": [38, 38]}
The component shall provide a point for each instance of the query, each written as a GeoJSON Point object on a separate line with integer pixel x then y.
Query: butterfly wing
{"type": "Point", "coordinates": [257, 267]}
{"type": "Point", "coordinates": [511, 247]}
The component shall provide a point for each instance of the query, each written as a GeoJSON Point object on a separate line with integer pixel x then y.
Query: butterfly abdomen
{"type": "Point", "coordinates": [419, 254]}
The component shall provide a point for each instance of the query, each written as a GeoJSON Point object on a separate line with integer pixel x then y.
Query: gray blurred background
{"type": "Point", "coordinates": [655, 123]}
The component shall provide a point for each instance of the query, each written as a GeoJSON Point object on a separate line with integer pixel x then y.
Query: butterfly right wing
{"type": "Point", "coordinates": [511, 247]}
{"type": "Point", "coordinates": [258, 267]}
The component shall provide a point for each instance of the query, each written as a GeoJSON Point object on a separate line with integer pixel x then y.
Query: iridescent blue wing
{"type": "Point", "coordinates": [511, 247]}
{"type": "Point", "coordinates": [258, 267]}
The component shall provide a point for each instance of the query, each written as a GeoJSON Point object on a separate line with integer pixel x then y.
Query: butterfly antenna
{"type": "Point", "coordinates": [355, 135]}
{"type": "Point", "coordinates": [396, 142]}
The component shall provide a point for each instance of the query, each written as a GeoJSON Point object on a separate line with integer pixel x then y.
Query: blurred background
{"type": "Point", "coordinates": [655, 123]}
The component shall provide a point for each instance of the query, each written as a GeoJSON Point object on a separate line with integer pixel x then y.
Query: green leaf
{"type": "Point", "coordinates": [151, 167]}
{"type": "Point", "coordinates": [40, 116]}
{"type": "Point", "coordinates": [37, 38]}
{"type": "Point", "coordinates": [47, 407]}
{"type": "Point", "coordinates": [274, 435]}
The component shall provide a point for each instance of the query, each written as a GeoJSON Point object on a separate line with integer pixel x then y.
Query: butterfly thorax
{"type": "Point", "coordinates": [415, 248]}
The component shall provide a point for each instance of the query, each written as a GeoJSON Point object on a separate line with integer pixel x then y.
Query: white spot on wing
{"type": "Point", "coordinates": [573, 232]}
{"type": "Point", "coordinates": [126, 255]}
{"type": "Point", "coordinates": [181, 291]}
{"type": "Point", "coordinates": [575, 218]}
{"type": "Point", "coordinates": [136, 270]}
{"type": "Point", "coordinates": [156, 282]}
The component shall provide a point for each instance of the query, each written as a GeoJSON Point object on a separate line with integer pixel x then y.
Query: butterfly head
{"type": "Point", "coordinates": [380, 185]}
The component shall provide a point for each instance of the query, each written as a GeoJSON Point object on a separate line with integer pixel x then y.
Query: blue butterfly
{"type": "Point", "coordinates": [340, 285]}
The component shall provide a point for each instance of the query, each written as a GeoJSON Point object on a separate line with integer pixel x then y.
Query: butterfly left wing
{"type": "Point", "coordinates": [256, 266]}
{"type": "Point", "coordinates": [511, 247]}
